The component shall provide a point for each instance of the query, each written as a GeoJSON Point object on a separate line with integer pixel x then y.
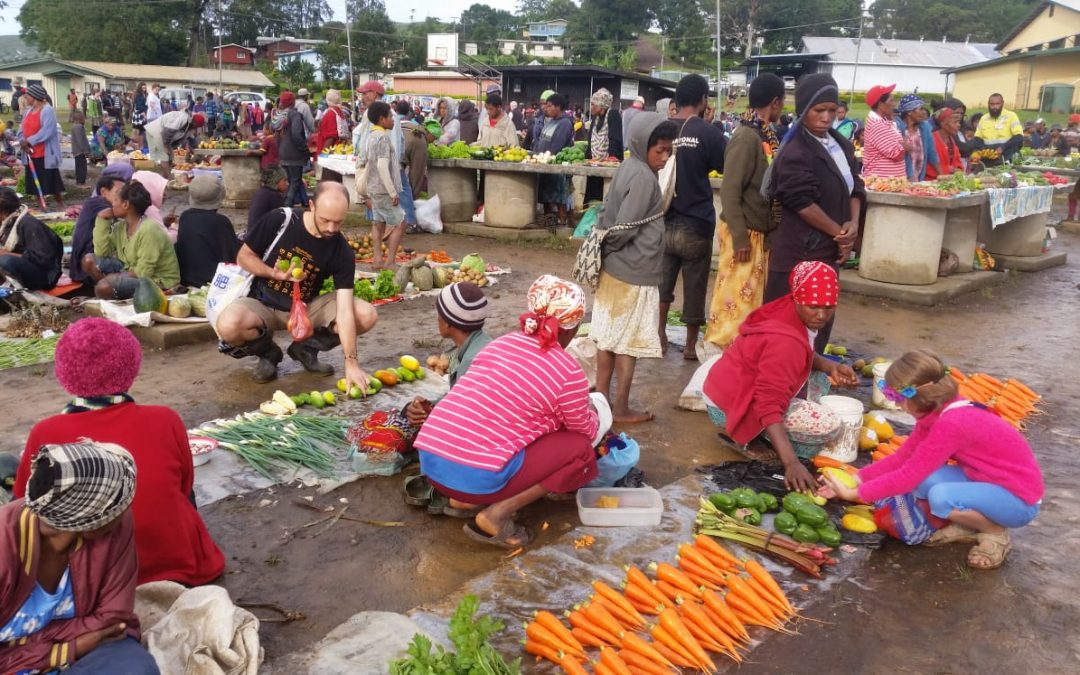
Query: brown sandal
{"type": "Point", "coordinates": [990, 552]}
{"type": "Point", "coordinates": [952, 534]}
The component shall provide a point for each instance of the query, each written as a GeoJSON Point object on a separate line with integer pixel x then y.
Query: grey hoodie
{"type": "Point", "coordinates": [634, 256]}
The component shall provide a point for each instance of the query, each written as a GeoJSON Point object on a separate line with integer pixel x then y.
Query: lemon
{"type": "Point", "coordinates": [410, 362]}
{"type": "Point", "coordinates": [297, 273]}
{"type": "Point", "coordinates": [329, 398]}
{"type": "Point", "coordinates": [341, 384]}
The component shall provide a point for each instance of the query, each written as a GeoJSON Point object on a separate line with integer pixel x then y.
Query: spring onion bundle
{"type": "Point", "coordinates": [27, 352]}
{"type": "Point", "coordinates": [273, 444]}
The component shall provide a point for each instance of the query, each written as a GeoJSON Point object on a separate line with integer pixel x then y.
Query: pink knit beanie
{"type": "Point", "coordinates": [97, 357]}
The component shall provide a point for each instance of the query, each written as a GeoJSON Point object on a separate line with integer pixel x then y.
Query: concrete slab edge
{"type": "Point", "coordinates": [498, 233]}
{"type": "Point", "coordinates": [942, 290]}
{"type": "Point", "coordinates": [1032, 263]}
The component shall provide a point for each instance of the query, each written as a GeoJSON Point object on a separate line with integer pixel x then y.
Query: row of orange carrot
{"type": "Point", "coordinates": [689, 616]}
{"type": "Point", "coordinates": [1012, 400]}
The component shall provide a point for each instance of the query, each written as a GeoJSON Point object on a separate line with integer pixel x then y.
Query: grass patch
{"type": "Point", "coordinates": [553, 243]}
{"type": "Point", "coordinates": [427, 343]}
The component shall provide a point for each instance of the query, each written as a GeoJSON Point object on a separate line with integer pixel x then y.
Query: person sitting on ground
{"type": "Point", "coordinates": [535, 432]}
{"type": "Point", "coordinates": [247, 326]}
{"type": "Point", "coordinates": [205, 237]}
{"type": "Point", "coordinates": [69, 566]}
{"type": "Point", "coordinates": [106, 193]}
{"type": "Point", "coordinates": [97, 361]}
{"type": "Point", "coordinates": [948, 150]}
{"type": "Point", "coordinates": [751, 390]}
{"type": "Point", "coordinates": [628, 295]}
{"type": "Point", "coordinates": [884, 147]}
{"type": "Point", "coordinates": [30, 253]}
{"type": "Point", "coordinates": [109, 137]}
{"type": "Point", "coordinates": [156, 185]}
{"type": "Point", "coordinates": [973, 467]}
{"type": "Point", "coordinates": [127, 246]}
{"type": "Point", "coordinates": [171, 131]}
{"type": "Point", "coordinates": [380, 183]}
{"type": "Point", "coordinates": [271, 194]}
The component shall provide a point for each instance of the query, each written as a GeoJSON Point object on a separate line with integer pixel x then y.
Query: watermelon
{"type": "Point", "coordinates": [149, 298]}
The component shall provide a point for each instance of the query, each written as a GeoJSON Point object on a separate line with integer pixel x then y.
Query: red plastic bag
{"type": "Point", "coordinates": [299, 325]}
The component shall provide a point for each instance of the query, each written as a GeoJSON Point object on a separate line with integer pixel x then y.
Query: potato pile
{"type": "Point", "coordinates": [440, 364]}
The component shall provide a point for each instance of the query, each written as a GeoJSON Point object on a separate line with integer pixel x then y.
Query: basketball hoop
{"type": "Point", "coordinates": [436, 63]}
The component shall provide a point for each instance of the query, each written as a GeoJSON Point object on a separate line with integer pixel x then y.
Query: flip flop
{"type": "Point", "coordinates": [417, 490]}
{"type": "Point", "coordinates": [952, 534]}
{"type": "Point", "coordinates": [465, 514]}
{"type": "Point", "coordinates": [501, 540]}
{"type": "Point", "coordinates": [438, 503]}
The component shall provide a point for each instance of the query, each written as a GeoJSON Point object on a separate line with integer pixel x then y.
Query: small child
{"type": "Point", "coordinates": [996, 483]}
{"type": "Point", "coordinates": [80, 146]}
{"type": "Point", "coordinates": [382, 184]}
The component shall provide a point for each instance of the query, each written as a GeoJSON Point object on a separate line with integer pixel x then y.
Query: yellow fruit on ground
{"type": "Point", "coordinates": [410, 362]}
{"type": "Point", "coordinates": [880, 426]}
{"type": "Point", "coordinates": [868, 439]}
{"type": "Point", "coordinates": [341, 384]}
{"type": "Point", "coordinates": [387, 377]}
{"type": "Point", "coordinates": [857, 523]}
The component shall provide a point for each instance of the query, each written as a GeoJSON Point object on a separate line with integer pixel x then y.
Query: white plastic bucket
{"type": "Point", "coordinates": [845, 447]}
{"type": "Point", "coordinates": [878, 397]}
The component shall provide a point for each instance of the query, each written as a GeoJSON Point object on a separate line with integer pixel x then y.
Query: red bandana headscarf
{"type": "Point", "coordinates": [814, 283]}
{"type": "Point", "coordinates": [554, 303]}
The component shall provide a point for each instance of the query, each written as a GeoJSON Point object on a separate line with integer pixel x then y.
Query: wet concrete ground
{"type": "Point", "coordinates": [911, 610]}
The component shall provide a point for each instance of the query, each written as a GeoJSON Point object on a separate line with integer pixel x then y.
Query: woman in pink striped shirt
{"type": "Point", "coordinates": [883, 145]}
{"type": "Point", "coordinates": [519, 424]}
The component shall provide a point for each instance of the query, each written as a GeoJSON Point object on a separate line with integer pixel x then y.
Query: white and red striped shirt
{"type": "Point", "coordinates": [512, 394]}
{"type": "Point", "coordinates": [883, 148]}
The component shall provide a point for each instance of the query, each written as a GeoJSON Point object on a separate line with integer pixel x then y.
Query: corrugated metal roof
{"type": "Point", "coordinates": [135, 71]}
{"type": "Point", "coordinates": [877, 51]}
{"type": "Point", "coordinates": [1074, 5]}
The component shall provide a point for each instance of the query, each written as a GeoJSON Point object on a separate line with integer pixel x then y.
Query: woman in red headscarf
{"type": "Point", "coordinates": [751, 390]}
{"type": "Point", "coordinates": [948, 150]}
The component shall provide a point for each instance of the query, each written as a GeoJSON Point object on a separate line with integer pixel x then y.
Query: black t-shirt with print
{"type": "Point", "coordinates": [700, 150]}
{"type": "Point", "coordinates": [323, 259]}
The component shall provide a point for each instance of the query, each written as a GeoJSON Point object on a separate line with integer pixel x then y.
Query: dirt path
{"type": "Point", "coordinates": [1021, 619]}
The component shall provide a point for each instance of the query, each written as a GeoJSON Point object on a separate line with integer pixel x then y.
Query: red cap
{"type": "Point", "coordinates": [198, 120]}
{"type": "Point", "coordinates": [287, 99]}
{"type": "Point", "coordinates": [371, 85]}
{"type": "Point", "coordinates": [877, 92]}
{"type": "Point", "coordinates": [1074, 119]}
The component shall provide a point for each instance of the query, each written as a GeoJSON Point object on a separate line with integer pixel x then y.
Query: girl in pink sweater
{"type": "Point", "coordinates": [995, 484]}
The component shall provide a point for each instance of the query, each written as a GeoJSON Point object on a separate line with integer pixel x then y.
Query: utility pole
{"type": "Point", "coordinates": [858, 49]}
{"type": "Point", "coordinates": [348, 42]}
{"type": "Point", "coordinates": [718, 53]}
{"type": "Point", "coordinates": [663, 45]}
{"type": "Point", "coordinates": [221, 31]}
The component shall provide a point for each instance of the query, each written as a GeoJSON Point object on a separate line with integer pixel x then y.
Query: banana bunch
{"type": "Point", "coordinates": [279, 406]}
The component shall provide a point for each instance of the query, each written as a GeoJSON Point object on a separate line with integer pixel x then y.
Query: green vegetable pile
{"type": "Point", "coordinates": [744, 504]}
{"type": "Point", "coordinates": [473, 656]}
{"type": "Point", "coordinates": [456, 150]}
{"type": "Point", "coordinates": [482, 153]}
{"type": "Point", "coordinates": [384, 287]}
{"type": "Point", "coordinates": [27, 351]}
{"type": "Point", "coordinates": [271, 444]}
{"type": "Point", "coordinates": [805, 521]}
{"type": "Point", "coordinates": [574, 153]}
{"type": "Point", "coordinates": [63, 228]}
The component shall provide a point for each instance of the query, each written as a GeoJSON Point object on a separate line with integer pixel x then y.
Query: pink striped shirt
{"type": "Point", "coordinates": [512, 395]}
{"type": "Point", "coordinates": [883, 148]}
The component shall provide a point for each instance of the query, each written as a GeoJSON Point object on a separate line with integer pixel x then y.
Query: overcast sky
{"type": "Point", "coordinates": [399, 10]}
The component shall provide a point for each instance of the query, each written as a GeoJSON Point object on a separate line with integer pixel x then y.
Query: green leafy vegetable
{"type": "Point", "coordinates": [473, 653]}
{"type": "Point", "coordinates": [385, 286]}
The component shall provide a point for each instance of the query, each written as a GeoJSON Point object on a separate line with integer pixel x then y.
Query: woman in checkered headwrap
{"type": "Point", "coordinates": [751, 390]}
{"type": "Point", "coordinates": [68, 566]}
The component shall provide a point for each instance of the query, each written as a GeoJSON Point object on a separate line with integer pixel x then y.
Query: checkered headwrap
{"type": "Point", "coordinates": [87, 484]}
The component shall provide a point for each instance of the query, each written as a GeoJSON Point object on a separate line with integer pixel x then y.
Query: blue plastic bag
{"type": "Point", "coordinates": [622, 455]}
{"type": "Point", "coordinates": [588, 221]}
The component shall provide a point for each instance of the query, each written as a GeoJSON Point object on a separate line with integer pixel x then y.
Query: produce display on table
{"type": "Point", "coordinates": [274, 443]}
{"type": "Point", "coordinates": [511, 154]}
{"type": "Point", "coordinates": [705, 603]}
{"type": "Point", "coordinates": [456, 150]}
{"type": "Point", "coordinates": [338, 149]}
{"type": "Point", "coordinates": [229, 144]}
{"type": "Point", "coordinates": [960, 183]}
{"type": "Point", "coordinates": [572, 154]}
{"type": "Point", "coordinates": [62, 228]}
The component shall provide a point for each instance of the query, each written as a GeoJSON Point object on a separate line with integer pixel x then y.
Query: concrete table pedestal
{"type": "Point", "coordinates": [962, 234]}
{"type": "Point", "coordinates": [902, 245]}
{"type": "Point", "coordinates": [456, 188]}
{"type": "Point", "coordinates": [1023, 237]}
{"type": "Point", "coordinates": [240, 172]}
{"type": "Point", "coordinates": [509, 199]}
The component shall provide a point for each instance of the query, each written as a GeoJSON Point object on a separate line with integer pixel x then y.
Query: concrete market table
{"type": "Point", "coordinates": [904, 235]}
{"type": "Point", "coordinates": [240, 173]}
{"type": "Point", "coordinates": [510, 190]}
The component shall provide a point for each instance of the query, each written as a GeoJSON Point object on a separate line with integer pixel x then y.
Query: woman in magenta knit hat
{"type": "Point", "coordinates": [97, 362]}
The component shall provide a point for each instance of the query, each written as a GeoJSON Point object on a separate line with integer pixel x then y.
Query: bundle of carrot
{"type": "Point", "coordinates": [691, 617]}
{"type": "Point", "coordinates": [883, 450]}
{"type": "Point", "coordinates": [809, 558]}
{"type": "Point", "coordinates": [1012, 400]}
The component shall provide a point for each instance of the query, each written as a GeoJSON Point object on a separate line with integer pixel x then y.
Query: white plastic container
{"type": "Point", "coordinates": [109, 161]}
{"type": "Point", "coordinates": [845, 447]}
{"type": "Point", "coordinates": [878, 397]}
{"type": "Point", "coordinates": [638, 507]}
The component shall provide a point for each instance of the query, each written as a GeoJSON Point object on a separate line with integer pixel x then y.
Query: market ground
{"type": "Point", "coordinates": [911, 610]}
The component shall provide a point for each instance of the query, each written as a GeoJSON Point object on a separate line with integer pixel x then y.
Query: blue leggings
{"type": "Point", "coordinates": [407, 203]}
{"type": "Point", "coordinates": [123, 657]}
{"type": "Point", "coordinates": [948, 490]}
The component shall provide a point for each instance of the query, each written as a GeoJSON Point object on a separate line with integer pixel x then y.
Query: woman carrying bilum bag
{"type": "Point", "coordinates": [628, 296]}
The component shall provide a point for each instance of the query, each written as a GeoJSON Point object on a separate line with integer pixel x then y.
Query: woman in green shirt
{"type": "Point", "coordinates": [127, 245]}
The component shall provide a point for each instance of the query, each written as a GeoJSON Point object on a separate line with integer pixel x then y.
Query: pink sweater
{"type": "Point", "coordinates": [883, 148]}
{"type": "Point", "coordinates": [512, 395]}
{"type": "Point", "coordinates": [986, 447]}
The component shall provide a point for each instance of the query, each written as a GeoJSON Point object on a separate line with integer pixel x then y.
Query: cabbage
{"type": "Point", "coordinates": [473, 261]}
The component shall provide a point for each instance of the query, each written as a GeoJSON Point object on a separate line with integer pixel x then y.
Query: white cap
{"type": "Point", "coordinates": [640, 100]}
{"type": "Point", "coordinates": [303, 92]}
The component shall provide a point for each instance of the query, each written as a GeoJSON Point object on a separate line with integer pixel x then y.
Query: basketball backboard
{"type": "Point", "coordinates": [442, 49]}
